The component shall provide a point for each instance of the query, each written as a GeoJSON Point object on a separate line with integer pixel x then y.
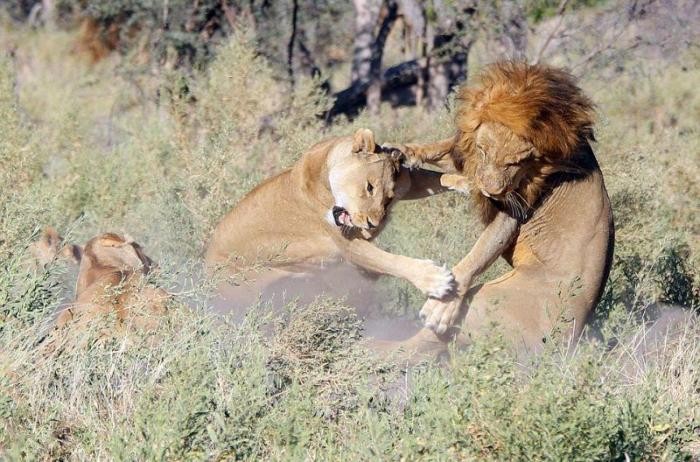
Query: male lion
{"type": "Point", "coordinates": [323, 210]}
{"type": "Point", "coordinates": [522, 149]}
{"type": "Point", "coordinates": [111, 279]}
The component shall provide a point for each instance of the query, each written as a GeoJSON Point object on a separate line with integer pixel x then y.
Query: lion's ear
{"type": "Point", "coordinates": [50, 237]}
{"type": "Point", "coordinates": [73, 252]}
{"type": "Point", "coordinates": [363, 141]}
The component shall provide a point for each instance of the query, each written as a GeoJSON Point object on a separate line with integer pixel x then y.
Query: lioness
{"type": "Point", "coordinates": [522, 150]}
{"type": "Point", "coordinates": [111, 278]}
{"type": "Point", "coordinates": [322, 210]}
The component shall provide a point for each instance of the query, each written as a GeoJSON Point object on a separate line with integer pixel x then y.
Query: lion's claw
{"type": "Point", "coordinates": [407, 156]}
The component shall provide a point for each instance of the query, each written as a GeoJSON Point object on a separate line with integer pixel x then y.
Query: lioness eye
{"type": "Point", "coordinates": [370, 188]}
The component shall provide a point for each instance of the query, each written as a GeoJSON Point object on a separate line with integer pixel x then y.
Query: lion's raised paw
{"type": "Point", "coordinates": [440, 316]}
{"type": "Point", "coordinates": [458, 183]}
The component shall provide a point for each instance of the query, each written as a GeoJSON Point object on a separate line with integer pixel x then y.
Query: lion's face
{"type": "Point", "coordinates": [502, 160]}
{"type": "Point", "coordinates": [362, 182]}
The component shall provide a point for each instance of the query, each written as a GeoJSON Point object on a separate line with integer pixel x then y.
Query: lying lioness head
{"type": "Point", "coordinates": [110, 251]}
{"type": "Point", "coordinates": [362, 182]}
{"type": "Point", "coordinates": [112, 278]}
{"type": "Point", "coordinates": [51, 246]}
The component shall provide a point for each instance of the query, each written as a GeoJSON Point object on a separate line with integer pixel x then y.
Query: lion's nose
{"type": "Point", "coordinates": [497, 190]}
{"type": "Point", "coordinates": [493, 187]}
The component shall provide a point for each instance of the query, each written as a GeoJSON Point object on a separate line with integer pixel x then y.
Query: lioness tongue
{"type": "Point", "coordinates": [345, 219]}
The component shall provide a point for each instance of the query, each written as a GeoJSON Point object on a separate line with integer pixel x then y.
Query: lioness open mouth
{"type": "Point", "coordinates": [341, 216]}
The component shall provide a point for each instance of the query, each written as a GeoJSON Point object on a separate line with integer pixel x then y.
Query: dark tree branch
{"type": "Point", "coordinates": [396, 83]}
{"type": "Point", "coordinates": [555, 30]}
{"type": "Point", "coordinates": [374, 88]}
{"type": "Point", "coordinates": [292, 40]}
{"type": "Point", "coordinates": [380, 41]}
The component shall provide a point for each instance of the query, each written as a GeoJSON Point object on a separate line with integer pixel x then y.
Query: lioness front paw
{"type": "Point", "coordinates": [440, 316]}
{"type": "Point", "coordinates": [433, 280]}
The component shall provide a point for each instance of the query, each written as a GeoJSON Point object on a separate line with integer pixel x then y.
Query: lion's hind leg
{"type": "Point", "coordinates": [515, 305]}
{"type": "Point", "coordinates": [424, 345]}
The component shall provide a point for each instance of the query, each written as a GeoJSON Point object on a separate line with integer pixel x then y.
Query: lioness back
{"type": "Point", "coordinates": [273, 222]}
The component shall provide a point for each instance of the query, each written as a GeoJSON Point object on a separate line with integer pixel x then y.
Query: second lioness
{"type": "Point", "coordinates": [323, 210]}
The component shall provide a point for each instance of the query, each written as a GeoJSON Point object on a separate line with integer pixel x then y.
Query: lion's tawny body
{"type": "Point", "coordinates": [278, 220]}
{"type": "Point", "coordinates": [561, 259]}
{"type": "Point", "coordinates": [523, 152]}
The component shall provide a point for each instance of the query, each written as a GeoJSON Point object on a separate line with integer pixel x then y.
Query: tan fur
{"type": "Point", "coordinates": [111, 280]}
{"type": "Point", "coordinates": [51, 246]}
{"type": "Point", "coordinates": [286, 225]}
{"type": "Point", "coordinates": [523, 139]}
{"type": "Point", "coordinates": [540, 106]}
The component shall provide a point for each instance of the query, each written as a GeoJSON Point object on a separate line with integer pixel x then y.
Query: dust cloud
{"type": "Point", "coordinates": [343, 281]}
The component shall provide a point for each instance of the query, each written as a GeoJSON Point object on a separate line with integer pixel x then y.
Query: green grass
{"type": "Point", "coordinates": [81, 150]}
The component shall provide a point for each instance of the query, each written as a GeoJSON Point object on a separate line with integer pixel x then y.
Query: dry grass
{"type": "Point", "coordinates": [94, 149]}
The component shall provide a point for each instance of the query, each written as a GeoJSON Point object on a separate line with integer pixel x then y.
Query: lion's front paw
{"type": "Point", "coordinates": [410, 160]}
{"type": "Point", "coordinates": [439, 315]}
{"type": "Point", "coordinates": [455, 182]}
{"type": "Point", "coordinates": [433, 280]}
{"type": "Point", "coordinates": [404, 153]}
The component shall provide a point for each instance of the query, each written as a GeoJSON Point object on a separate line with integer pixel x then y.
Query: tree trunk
{"type": "Point", "coordinates": [366, 17]}
{"type": "Point", "coordinates": [448, 44]}
{"type": "Point", "coordinates": [374, 90]}
{"type": "Point", "coordinates": [292, 42]}
{"type": "Point", "coordinates": [48, 14]}
{"type": "Point", "coordinates": [439, 50]}
{"type": "Point", "coordinates": [368, 51]}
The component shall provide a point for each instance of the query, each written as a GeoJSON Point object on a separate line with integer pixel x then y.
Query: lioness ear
{"type": "Point", "coordinates": [73, 252]}
{"type": "Point", "coordinates": [135, 257]}
{"type": "Point", "coordinates": [363, 141]}
{"type": "Point", "coordinates": [146, 262]}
